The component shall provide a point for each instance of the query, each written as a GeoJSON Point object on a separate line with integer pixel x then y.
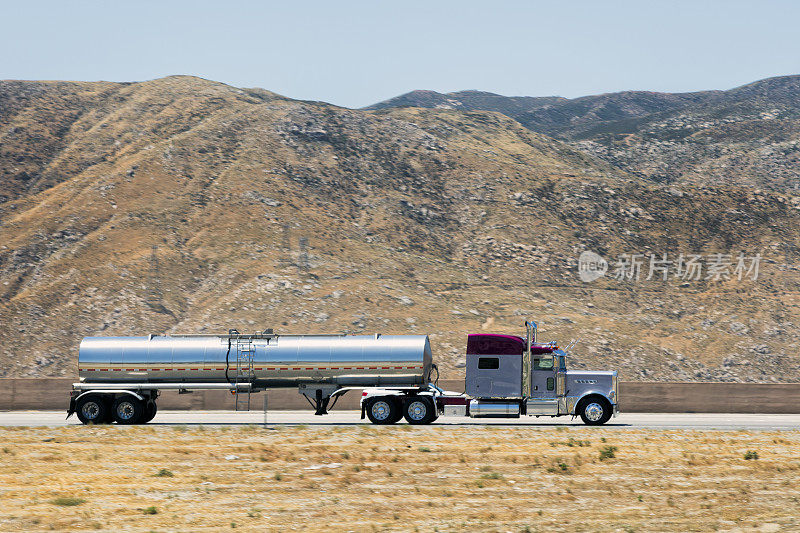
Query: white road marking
{"type": "Point", "coordinates": [700, 421]}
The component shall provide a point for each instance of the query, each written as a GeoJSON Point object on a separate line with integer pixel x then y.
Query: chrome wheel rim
{"type": "Point", "coordinates": [594, 411]}
{"type": "Point", "coordinates": [90, 410]}
{"type": "Point", "coordinates": [417, 410]}
{"type": "Point", "coordinates": [381, 410]}
{"type": "Point", "coordinates": [125, 410]}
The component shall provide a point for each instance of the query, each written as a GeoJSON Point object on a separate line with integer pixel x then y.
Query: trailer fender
{"type": "Point", "coordinates": [73, 401]}
{"type": "Point", "coordinates": [120, 391]}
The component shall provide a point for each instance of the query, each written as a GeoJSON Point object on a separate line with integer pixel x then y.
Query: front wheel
{"type": "Point", "coordinates": [419, 410]}
{"type": "Point", "coordinates": [594, 411]}
{"type": "Point", "coordinates": [382, 410]}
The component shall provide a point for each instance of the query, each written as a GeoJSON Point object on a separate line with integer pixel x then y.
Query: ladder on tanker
{"type": "Point", "coordinates": [245, 356]}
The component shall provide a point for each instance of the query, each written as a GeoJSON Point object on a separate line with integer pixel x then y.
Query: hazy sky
{"type": "Point", "coordinates": [357, 53]}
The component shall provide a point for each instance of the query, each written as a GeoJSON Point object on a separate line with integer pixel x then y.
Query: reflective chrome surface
{"type": "Point", "coordinates": [594, 411]}
{"type": "Point", "coordinates": [582, 383]}
{"type": "Point", "coordinates": [614, 391]}
{"type": "Point", "coordinates": [417, 410]}
{"type": "Point", "coordinates": [125, 410]}
{"type": "Point", "coordinates": [537, 406]}
{"type": "Point", "coordinates": [90, 410]}
{"type": "Point", "coordinates": [381, 410]}
{"type": "Point", "coordinates": [571, 401]}
{"type": "Point", "coordinates": [278, 360]}
{"type": "Point", "coordinates": [479, 409]}
{"type": "Point", "coordinates": [455, 410]}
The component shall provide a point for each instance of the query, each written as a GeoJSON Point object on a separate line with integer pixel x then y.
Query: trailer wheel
{"type": "Point", "coordinates": [109, 404]}
{"type": "Point", "coordinates": [382, 410]}
{"type": "Point", "coordinates": [149, 412]}
{"type": "Point", "coordinates": [419, 410]}
{"type": "Point", "coordinates": [594, 410]}
{"type": "Point", "coordinates": [91, 409]}
{"type": "Point", "coordinates": [128, 410]}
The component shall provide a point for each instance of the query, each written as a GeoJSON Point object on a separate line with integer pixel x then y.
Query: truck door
{"type": "Point", "coordinates": [543, 378]}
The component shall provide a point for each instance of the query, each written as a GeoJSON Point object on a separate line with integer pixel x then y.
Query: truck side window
{"type": "Point", "coordinates": [488, 363]}
{"type": "Point", "coordinates": [543, 364]}
{"type": "Point", "coordinates": [551, 383]}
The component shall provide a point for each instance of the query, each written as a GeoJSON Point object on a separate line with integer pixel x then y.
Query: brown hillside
{"type": "Point", "coordinates": [412, 220]}
{"type": "Point", "coordinates": [747, 136]}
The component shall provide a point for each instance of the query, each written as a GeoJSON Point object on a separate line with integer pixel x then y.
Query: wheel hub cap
{"type": "Point", "coordinates": [380, 410]}
{"type": "Point", "coordinates": [90, 410]}
{"type": "Point", "coordinates": [417, 411]}
{"type": "Point", "coordinates": [125, 410]}
{"type": "Point", "coordinates": [594, 412]}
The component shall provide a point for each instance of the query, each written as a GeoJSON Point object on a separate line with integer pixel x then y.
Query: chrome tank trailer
{"type": "Point", "coordinates": [262, 360]}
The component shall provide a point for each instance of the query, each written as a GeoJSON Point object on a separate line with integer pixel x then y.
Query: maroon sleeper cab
{"type": "Point", "coordinates": [496, 344]}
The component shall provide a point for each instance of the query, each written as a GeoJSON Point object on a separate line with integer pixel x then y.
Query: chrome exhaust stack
{"type": "Point", "coordinates": [531, 328]}
{"type": "Point", "coordinates": [530, 338]}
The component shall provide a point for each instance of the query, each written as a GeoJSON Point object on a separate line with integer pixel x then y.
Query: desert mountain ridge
{"type": "Point", "coordinates": [746, 135]}
{"type": "Point", "coordinates": [186, 205]}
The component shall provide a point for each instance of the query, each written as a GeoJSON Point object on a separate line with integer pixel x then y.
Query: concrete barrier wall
{"type": "Point", "coordinates": [635, 397]}
{"type": "Point", "coordinates": [654, 397]}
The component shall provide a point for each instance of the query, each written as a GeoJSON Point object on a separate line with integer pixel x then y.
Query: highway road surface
{"type": "Point", "coordinates": [700, 421]}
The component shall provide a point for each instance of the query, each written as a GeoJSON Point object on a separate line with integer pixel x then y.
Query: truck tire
{"type": "Point", "coordinates": [109, 418]}
{"type": "Point", "coordinates": [382, 410]}
{"type": "Point", "coordinates": [150, 411]}
{"type": "Point", "coordinates": [128, 410]}
{"type": "Point", "coordinates": [398, 415]}
{"type": "Point", "coordinates": [92, 409]}
{"type": "Point", "coordinates": [594, 410]}
{"type": "Point", "coordinates": [419, 410]}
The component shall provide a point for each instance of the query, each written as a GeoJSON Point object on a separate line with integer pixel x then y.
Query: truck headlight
{"type": "Point", "coordinates": [614, 387]}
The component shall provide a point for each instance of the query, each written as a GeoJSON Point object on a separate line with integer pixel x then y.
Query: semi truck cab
{"type": "Point", "coordinates": [508, 376]}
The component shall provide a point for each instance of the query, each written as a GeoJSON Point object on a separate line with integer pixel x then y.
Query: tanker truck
{"type": "Point", "coordinates": [507, 376]}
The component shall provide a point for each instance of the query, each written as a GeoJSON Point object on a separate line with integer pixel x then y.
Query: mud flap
{"type": "Point", "coordinates": [71, 408]}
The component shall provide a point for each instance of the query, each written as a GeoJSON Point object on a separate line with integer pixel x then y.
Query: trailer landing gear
{"type": "Point", "coordinates": [319, 396]}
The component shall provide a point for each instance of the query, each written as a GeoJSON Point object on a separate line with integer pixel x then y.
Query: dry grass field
{"type": "Point", "coordinates": [401, 478]}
